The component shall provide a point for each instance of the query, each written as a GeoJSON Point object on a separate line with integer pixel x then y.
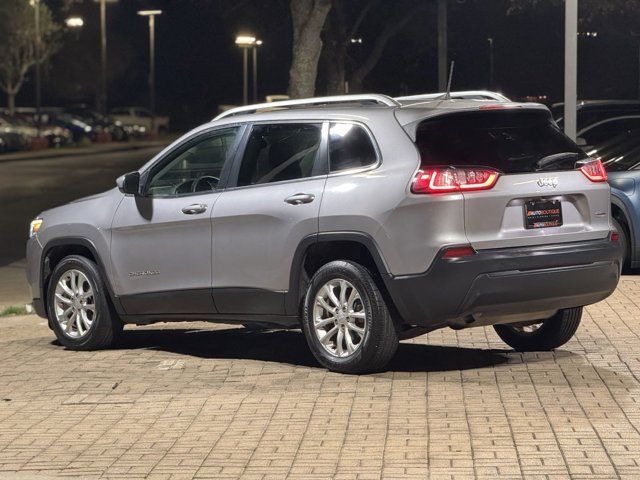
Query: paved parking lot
{"type": "Point", "coordinates": [198, 400]}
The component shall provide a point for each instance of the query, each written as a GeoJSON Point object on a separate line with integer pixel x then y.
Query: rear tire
{"type": "Point", "coordinates": [76, 287]}
{"type": "Point", "coordinates": [624, 242]}
{"type": "Point", "coordinates": [345, 308]}
{"type": "Point", "coordinates": [549, 334]}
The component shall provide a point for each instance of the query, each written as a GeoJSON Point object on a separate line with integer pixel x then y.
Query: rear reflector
{"type": "Point", "coordinates": [614, 236]}
{"type": "Point", "coordinates": [594, 170]}
{"type": "Point", "coordinates": [454, 179]}
{"type": "Point", "coordinates": [457, 252]}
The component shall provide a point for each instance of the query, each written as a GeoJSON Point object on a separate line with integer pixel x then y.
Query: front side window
{"type": "Point", "coordinates": [349, 147]}
{"type": "Point", "coordinates": [280, 152]}
{"type": "Point", "coordinates": [196, 168]}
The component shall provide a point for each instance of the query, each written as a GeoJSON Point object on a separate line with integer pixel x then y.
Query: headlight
{"type": "Point", "coordinates": [35, 227]}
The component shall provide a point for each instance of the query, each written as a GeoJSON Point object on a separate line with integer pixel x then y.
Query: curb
{"type": "Point", "coordinates": [81, 151]}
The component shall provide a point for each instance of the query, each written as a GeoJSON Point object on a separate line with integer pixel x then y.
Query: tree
{"type": "Point", "coordinates": [19, 46]}
{"type": "Point", "coordinates": [345, 23]}
{"type": "Point", "coordinates": [308, 18]}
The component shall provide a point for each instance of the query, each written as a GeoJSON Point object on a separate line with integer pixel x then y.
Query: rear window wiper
{"type": "Point", "coordinates": [549, 160]}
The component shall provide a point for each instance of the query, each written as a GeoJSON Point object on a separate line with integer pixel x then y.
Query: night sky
{"type": "Point", "coordinates": [199, 67]}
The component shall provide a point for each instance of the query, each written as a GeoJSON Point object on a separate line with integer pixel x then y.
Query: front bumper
{"type": "Point", "coordinates": [34, 272]}
{"type": "Point", "coordinates": [495, 285]}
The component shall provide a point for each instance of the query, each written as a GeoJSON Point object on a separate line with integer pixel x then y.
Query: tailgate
{"type": "Point", "coordinates": [496, 218]}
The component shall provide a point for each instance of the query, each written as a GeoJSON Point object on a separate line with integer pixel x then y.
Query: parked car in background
{"type": "Point", "coordinates": [139, 120]}
{"type": "Point", "coordinates": [105, 123]}
{"type": "Point", "coordinates": [593, 111]}
{"type": "Point", "coordinates": [621, 159]}
{"type": "Point", "coordinates": [55, 135]}
{"type": "Point", "coordinates": [81, 130]}
{"type": "Point", "coordinates": [30, 132]}
{"type": "Point", "coordinates": [11, 140]}
{"type": "Point", "coordinates": [605, 130]}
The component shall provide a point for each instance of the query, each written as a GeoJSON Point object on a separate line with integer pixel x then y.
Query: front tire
{"type": "Point", "coordinates": [77, 306]}
{"type": "Point", "coordinates": [346, 321]}
{"type": "Point", "coordinates": [546, 335]}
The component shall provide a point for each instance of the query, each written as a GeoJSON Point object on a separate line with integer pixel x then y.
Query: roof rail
{"type": "Point", "coordinates": [365, 98]}
{"type": "Point", "coordinates": [470, 94]}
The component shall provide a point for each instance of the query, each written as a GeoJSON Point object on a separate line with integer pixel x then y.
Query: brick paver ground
{"type": "Point", "coordinates": [206, 401]}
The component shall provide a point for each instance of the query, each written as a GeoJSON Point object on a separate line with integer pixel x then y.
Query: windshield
{"type": "Point", "coordinates": [511, 141]}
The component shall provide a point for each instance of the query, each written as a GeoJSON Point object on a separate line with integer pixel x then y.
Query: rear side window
{"type": "Point", "coordinates": [275, 153]}
{"type": "Point", "coordinates": [509, 141]}
{"type": "Point", "coordinates": [349, 147]}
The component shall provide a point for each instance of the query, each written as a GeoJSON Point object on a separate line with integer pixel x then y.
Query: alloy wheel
{"type": "Point", "coordinates": [339, 318]}
{"type": "Point", "coordinates": [74, 304]}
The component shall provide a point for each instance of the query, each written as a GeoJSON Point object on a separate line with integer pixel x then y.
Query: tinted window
{"type": "Point", "coordinates": [607, 130]}
{"type": "Point", "coordinates": [275, 153]}
{"type": "Point", "coordinates": [620, 153]}
{"type": "Point", "coordinates": [349, 147]}
{"type": "Point", "coordinates": [197, 168]}
{"type": "Point", "coordinates": [509, 141]}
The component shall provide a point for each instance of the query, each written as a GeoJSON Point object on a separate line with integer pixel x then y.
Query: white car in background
{"type": "Point", "coordinates": [138, 120]}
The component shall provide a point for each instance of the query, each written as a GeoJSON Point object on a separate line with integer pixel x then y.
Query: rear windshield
{"type": "Point", "coordinates": [507, 140]}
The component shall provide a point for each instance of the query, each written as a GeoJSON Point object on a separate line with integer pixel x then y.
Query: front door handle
{"type": "Point", "coordinates": [300, 198]}
{"type": "Point", "coordinates": [195, 209]}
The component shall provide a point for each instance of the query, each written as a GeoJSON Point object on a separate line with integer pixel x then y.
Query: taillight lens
{"type": "Point", "coordinates": [454, 179]}
{"type": "Point", "coordinates": [594, 170]}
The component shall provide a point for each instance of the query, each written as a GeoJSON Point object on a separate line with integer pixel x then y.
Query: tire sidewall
{"type": "Point", "coordinates": [89, 269]}
{"type": "Point", "coordinates": [624, 242]}
{"type": "Point", "coordinates": [351, 273]}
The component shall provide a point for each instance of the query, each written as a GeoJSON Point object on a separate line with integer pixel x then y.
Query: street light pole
{"type": "Point", "coordinates": [152, 63]}
{"type": "Point", "coordinates": [490, 63]}
{"type": "Point", "coordinates": [255, 70]}
{"type": "Point", "coordinates": [36, 6]}
{"type": "Point", "coordinates": [442, 45]}
{"type": "Point", "coordinates": [255, 74]}
{"type": "Point", "coordinates": [570, 68]}
{"type": "Point", "coordinates": [103, 56]}
{"type": "Point", "coordinates": [245, 42]}
{"type": "Point", "coordinates": [245, 75]}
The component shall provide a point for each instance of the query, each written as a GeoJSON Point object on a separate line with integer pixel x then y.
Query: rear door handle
{"type": "Point", "coordinates": [195, 209]}
{"type": "Point", "coordinates": [300, 198]}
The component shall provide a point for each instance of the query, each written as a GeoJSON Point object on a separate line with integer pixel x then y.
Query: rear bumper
{"type": "Point", "coordinates": [495, 285]}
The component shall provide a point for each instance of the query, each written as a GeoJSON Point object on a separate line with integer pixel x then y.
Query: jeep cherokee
{"type": "Point", "coordinates": [358, 219]}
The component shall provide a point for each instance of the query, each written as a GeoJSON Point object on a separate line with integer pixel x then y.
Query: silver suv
{"type": "Point", "coordinates": [358, 219]}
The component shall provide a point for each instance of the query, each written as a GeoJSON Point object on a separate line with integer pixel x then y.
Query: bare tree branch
{"type": "Point", "coordinates": [361, 17]}
{"type": "Point", "coordinates": [376, 52]}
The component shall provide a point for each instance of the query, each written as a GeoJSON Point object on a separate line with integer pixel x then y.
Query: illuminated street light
{"type": "Point", "coordinates": [152, 62]}
{"type": "Point", "coordinates": [74, 22]}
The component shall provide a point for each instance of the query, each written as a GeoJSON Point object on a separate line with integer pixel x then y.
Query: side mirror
{"type": "Point", "coordinates": [129, 183]}
{"type": "Point", "coordinates": [581, 142]}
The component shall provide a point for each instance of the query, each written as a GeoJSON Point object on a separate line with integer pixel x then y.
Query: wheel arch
{"type": "Point", "coordinates": [319, 249]}
{"type": "Point", "coordinates": [58, 248]}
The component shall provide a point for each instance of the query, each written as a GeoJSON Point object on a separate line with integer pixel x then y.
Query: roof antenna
{"type": "Point", "coordinates": [447, 95]}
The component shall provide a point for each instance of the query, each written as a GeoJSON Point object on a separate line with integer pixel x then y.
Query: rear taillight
{"type": "Point", "coordinates": [614, 236]}
{"type": "Point", "coordinates": [454, 179]}
{"type": "Point", "coordinates": [594, 170]}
